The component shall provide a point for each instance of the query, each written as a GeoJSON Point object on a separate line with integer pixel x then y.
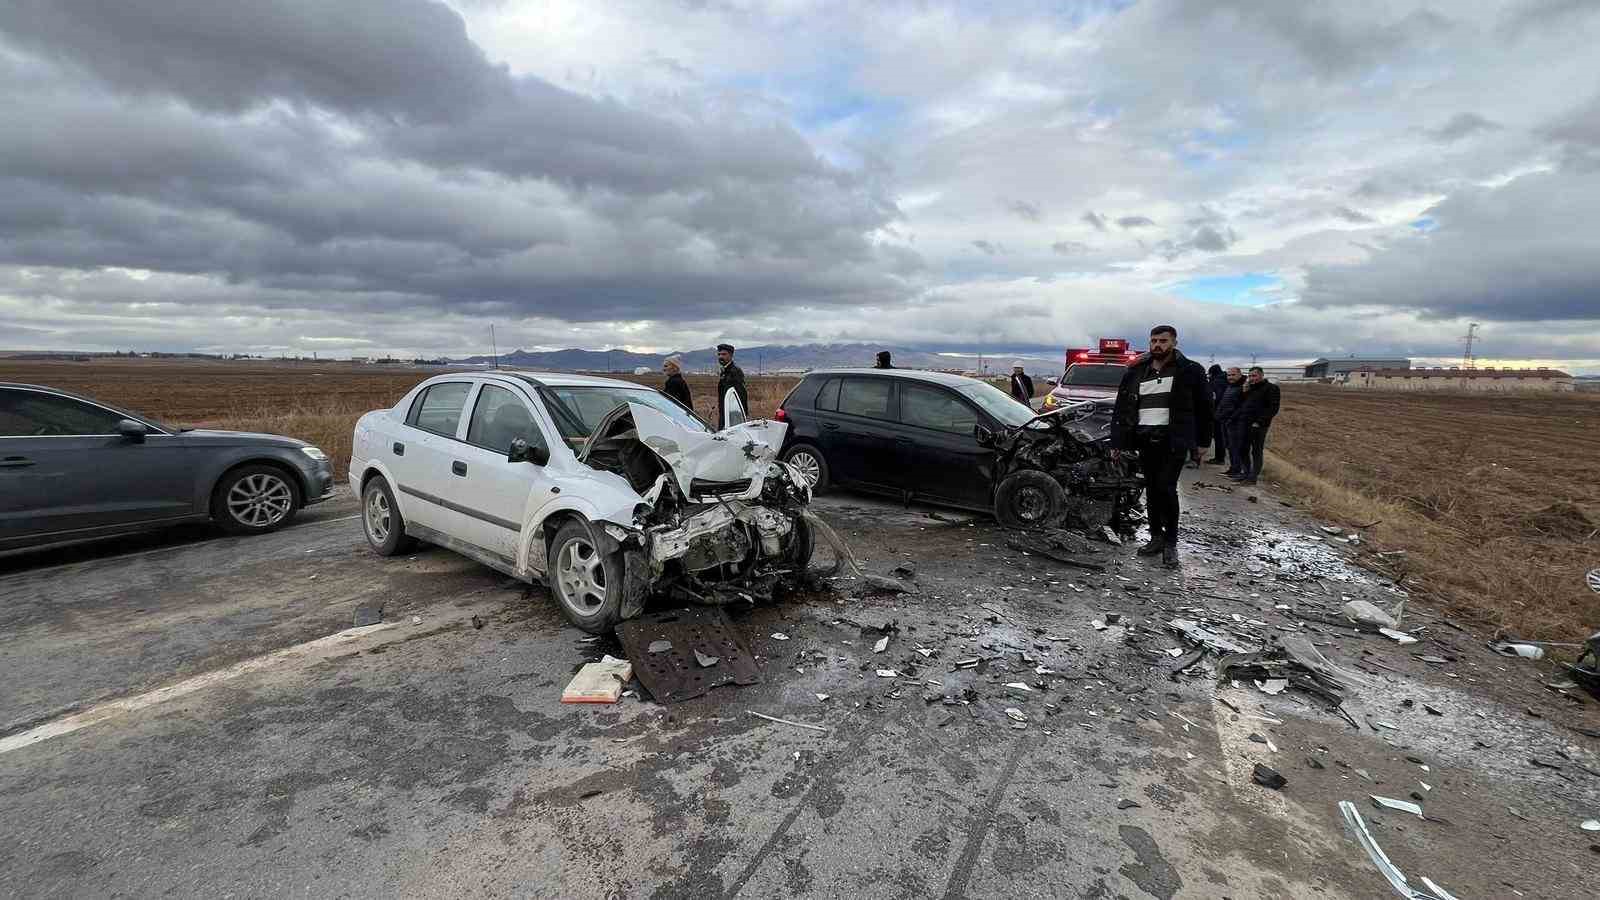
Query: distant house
{"type": "Point", "coordinates": [1331, 367]}
{"type": "Point", "coordinates": [1485, 379]}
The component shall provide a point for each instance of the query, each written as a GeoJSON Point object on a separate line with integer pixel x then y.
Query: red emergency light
{"type": "Point", "coordinates": [1113, 345]}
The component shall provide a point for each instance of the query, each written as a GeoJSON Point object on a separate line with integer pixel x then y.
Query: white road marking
{"type": "Point", "coordinates": [172, 549]}
{"type": "Point", "coordinates": [114, 708]}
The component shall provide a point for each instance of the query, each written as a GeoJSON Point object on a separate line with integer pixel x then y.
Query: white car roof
{"type": "Point", "coordinates": [564, 379]}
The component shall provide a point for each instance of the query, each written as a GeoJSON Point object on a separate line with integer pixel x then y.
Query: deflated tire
{"type": "Point", "coordinates": [1030, 499]}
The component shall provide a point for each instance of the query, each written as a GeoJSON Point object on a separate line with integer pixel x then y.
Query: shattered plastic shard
{"type": "Point", "coordinates": [1590, 825]}
{"type": "Point", "coordinates": [1268, 777]}
{"type": "Point", "coordinates": [881, 645]}
{"type": "Point", "coordinates": [705, 661]}
{"type": "Point", "coordinates": [1016, 714]}
{"type": "Point", "coordinates": [1017, 685]}
{"type": "Point", "coordinates": [822, 698]}
{"type": "Point", "coordinates": [1405, 806]}
{"type": "Point", "coordinates": [659, 646]}
{"type": "Point", "coordinates": [779, 636]}
{"type": "Point", "coordinates": [888, 673]}
{"type": "Point", "coordinates": [1400, 636]}
{"type": "Point", "coordinates": [1272, 685]}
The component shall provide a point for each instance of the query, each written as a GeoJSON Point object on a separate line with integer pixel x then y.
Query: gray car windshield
{"type": "Point", "coordinates": [1094, 376]}
{"type": "Point", "coordinates": [577, 409]}
{"type": "Point", "coordinates": [996, 403]}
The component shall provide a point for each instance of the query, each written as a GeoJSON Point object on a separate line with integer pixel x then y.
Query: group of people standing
{"type": "Point", "coordinates": [1244, 406]}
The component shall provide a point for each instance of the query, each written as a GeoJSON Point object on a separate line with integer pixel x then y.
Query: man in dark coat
{"type": "Point", "coordinates": [1217, 382]}
{"type": "Point", "coordinates": [883, 360]}
{"type": "Point", "coordinates": [1021, 384]}
{"type": "Point", "coordinates": [676, 387]}
{"type": "Point", "coordinates": [1226, 409]}
{"type": "Point", "coordinates": [730, 376]}
{"type": "Point", "coordinates": [1257, 408]}
{"type": "Point", "coordinates": [1163, 411]}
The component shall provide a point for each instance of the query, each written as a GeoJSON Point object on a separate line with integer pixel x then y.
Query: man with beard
{"type": "Point", "coordinates": [1258, 406]}
{"type": "Point", "coordinates": [1163, 411]}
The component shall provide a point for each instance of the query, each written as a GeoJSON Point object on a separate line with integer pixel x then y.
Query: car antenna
{"type": "Point", "coordinates": [494, 350]}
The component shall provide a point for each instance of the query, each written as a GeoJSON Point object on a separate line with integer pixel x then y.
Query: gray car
{"type": "Point", "coordinates": [72, 468]}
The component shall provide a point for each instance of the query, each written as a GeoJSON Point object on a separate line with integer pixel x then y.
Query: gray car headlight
{"type": "Point", "coordinates": [314, 453]}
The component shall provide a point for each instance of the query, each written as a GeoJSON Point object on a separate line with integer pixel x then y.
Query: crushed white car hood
{"type": "Point", "coordinates": [743, 451]}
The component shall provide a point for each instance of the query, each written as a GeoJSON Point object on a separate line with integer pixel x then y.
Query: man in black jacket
{"type": "Point", "coordinates": [1217, 383]}
{"type": "Point", "coordinates": [1226, 407]}
{"type": "Point", "coordinates": [1257, 408]}
{"type": "Point", "coordinates": [676, 387]}
{"type": "Point", "coordinates": [730, 376]}
{"type": "Point", "coordinates": [1163, 410]}
{"type": "Point", "coordinates": [883, 360]}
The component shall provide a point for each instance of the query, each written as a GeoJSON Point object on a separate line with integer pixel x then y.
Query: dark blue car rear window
{"type": "Point", "coordinates": [828, 397]}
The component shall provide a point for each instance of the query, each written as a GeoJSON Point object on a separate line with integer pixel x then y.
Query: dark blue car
{"type": "Point", "coordinates": [72, 468]}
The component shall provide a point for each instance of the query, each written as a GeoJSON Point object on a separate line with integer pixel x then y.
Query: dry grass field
{"type": "Point", "coordinates": [1494, 499]}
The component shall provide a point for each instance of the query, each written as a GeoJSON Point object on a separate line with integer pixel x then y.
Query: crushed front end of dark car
{"type": "Point", "coordinates": [1057, 470]}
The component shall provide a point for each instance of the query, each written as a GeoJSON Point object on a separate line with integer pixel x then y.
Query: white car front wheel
{"type": "Point", "coordinates": [587, 582]}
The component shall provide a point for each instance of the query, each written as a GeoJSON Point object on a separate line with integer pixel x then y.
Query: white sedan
{"type": "Point", "coordinates": [605, 489]}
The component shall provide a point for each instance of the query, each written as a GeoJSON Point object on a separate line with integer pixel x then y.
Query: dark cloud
{"type": "Point", "coordinates": [1069, 248]}
{"type": "Point", "coordinates": [1095, 219]}
{"type": "Point", "coordinates": [1353, 215]}
{"type": "Point", "coordinates": [987, 247]}
{"type": "Point", "coordinates": [1578, 133]}
{"type": "Point", "coordinates": [1025, 210]}
{"type": "Point", "coordinates": [1208, 238]}
{"type": "Point", "coordinates": [1529, 250]}
{"type": "Point", "coordinates": [1462, 125]}
{"type": "Point", "coordinates": [368, 152]}
{"type": "Point", "coordinates": [1135, 222]}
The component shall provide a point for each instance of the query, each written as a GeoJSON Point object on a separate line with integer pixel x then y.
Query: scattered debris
{"type": "Point", "coordinates": [881, 645]}
{"type": "Point", "coordinates": [1315, 763]}
{"type": "Point", "coordinates": [1272, 685]}
{"type": "Point", "coordinates": [1125, 803]}
{"type": "Point", "coordinates": [704, 661]}
{"type": "Point", "coordinates": [822, 698]}
{"type": "Point", "coordinates": [1590, 825]}
{"type": "Point", "coordinates": [659, 646]}
{"type": "Point", "coordinates": [1193, 632]}
{"type": "Point", "coordinates": [1056, 546]}
{"type": "Point", "coordinates": [1363, 612]}
{"type": "Point", "coordinates": [368, 615]}
{"type": "Point", "coordinates": [1405, 806]}
{"type": "Point", "coordinates": [1358, 830]}
{"type": "Point", "coordinates": [1399, 636]}
{"type": "Point", "coordinates": [1295, 661]}
{"type": "Point", "coordinates": [779, 636]}
{"type": "Point", "coordinates": [888, 673]}
{"type": "Point", "coordinates": [477, 623]}
{"type": "Point", "coordinates": [1587, 669]}
{"type": "Point", "coordinates": [1526, 651]}
{"type": "Point", "coordinates": [1016, 714]}
{"type": "Point", "coordinates": [786, 721]}
{"type": "Point", "coordinates": [599, 682]}
{"type": "Point", "coordinates": [1020, 686]}
{"type": "Point", "coordinates": [416, 620]}
{"type": "Point", "coordinates": [1268, 777]}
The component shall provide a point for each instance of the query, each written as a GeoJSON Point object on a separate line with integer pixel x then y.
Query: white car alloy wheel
{"type": "Point", "coordinates": [581, 577]}
{"type": "Point", "coordinates": [807, 464]}
{"type": "Point", "coordinates": [260, 500]}
{"type": "Point", "coordinates": [379, 517]}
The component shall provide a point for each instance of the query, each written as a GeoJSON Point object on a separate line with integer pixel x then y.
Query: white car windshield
{"type": "Point", "coordinates": [996, 403]}
{"type": "Point", "coordinates": [577, 409]}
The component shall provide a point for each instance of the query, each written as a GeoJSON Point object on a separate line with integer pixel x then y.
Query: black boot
{"type": "Point", "coordinates": [1169, 555]}
{"type": "Point", "coordinates": [1152, 548]}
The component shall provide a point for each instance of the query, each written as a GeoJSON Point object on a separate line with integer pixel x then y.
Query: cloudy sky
{"type": "Point", "coordinates": [369, 176]}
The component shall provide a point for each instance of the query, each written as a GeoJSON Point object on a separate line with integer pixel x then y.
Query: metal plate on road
{"type": "Point", "coordinates": [674, 674]}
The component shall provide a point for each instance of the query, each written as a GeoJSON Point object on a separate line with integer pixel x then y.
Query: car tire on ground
{"type": "Point", "coordinates": [381, 521]}
{"type": "Point", "coordinates": [255, 499]}
{"type": "Point", "coordinates": [587, 584]}
{"type": "Point", "coordinates": [802, 544]}
{"type": "Point", "coordinates": [808, 460]}
{"type": "Point", "coordinates": [1030, 499]}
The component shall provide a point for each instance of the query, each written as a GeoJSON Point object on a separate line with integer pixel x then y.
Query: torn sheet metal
{"type": "Point", "coordinates": [1397, 879]}
{"type": "Point", "coordinates": [675, 674]}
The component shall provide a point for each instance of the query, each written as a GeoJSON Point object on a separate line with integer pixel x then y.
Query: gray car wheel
{"type": "Point", "coordinates": [255, 499]}
{"type": "Point", "coordinates": [588, 583]}
{"type": "Point", "coordinates": [381, 520]}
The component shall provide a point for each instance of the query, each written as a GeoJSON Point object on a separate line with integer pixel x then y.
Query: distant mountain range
{"type": "Point", "coordinates": [768, 358]}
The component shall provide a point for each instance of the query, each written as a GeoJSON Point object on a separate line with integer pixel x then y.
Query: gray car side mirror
{"type": "Point", "coordinates": [983, 435]}
{"type": "Point", "coordinates": [522, 451]}
{"type": "Point", "coordinates": [131, 431]}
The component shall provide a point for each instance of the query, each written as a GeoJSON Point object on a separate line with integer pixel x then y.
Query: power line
{"type": "Point", "coordinates": [1468, 359]}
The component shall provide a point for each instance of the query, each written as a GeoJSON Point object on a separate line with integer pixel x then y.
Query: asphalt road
{"type": "Point", "coordinates": [236, 740]}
